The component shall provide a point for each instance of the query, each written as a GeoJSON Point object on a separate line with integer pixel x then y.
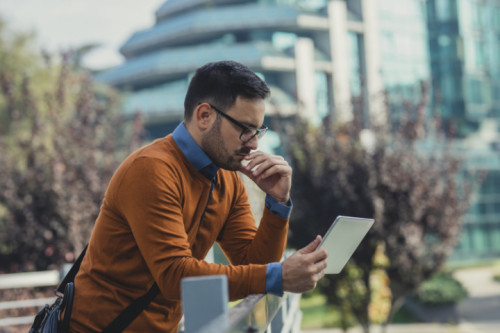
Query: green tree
{"type": "Point", "coordinates": [60, 141]}
{"type": "Point", "coordinates": [411, 190]}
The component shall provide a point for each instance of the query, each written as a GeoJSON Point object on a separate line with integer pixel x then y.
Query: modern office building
{"type": "Point", "coordinates": [464, 43]}
{"type": "Point", "coordinates": [322, 56]}
{"type": "Point", "coordinates": [311, 53]}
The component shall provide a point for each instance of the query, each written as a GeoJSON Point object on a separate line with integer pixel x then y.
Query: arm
{"type": "Point", "coordinates": [273, 175]}
{"type": "Point", "coordinates": [242, 242]}
{"type": "Point", "coordinates": [301, 271]}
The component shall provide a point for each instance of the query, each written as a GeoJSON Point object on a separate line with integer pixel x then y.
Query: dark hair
{"type": "Point", "coordinates": [220, 83]}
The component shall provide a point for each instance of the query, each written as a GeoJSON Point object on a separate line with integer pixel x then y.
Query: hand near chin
{"type": "Point", "coordinates": [271, 173]}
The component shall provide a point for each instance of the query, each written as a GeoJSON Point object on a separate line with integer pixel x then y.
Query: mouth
{"type": "Point", "coordinates": [244, 152]}
{"type": "Point", "coordinates": [241, 158]}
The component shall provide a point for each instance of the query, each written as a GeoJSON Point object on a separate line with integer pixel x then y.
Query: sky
{"type": "Point", "coordinates": [62, 24]}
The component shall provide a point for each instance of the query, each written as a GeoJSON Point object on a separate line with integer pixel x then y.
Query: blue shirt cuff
{"type": "Point", "coordinates": [277, 208]}
{"type": "Point", "coordinates": [274, 284]}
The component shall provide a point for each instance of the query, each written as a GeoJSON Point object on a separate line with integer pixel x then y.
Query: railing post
{"type": "Point", "coordinates": [278, 322]}
{"type": "Point", "coordinates": [294, 317]}
{"type": "Point", "coordinates": [203, 299]}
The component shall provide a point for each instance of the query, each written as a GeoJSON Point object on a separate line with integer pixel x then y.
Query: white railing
{"type": "Point", "coordinates": [26, 280]}
{"type": "Point", "coordinates": [205, 304]}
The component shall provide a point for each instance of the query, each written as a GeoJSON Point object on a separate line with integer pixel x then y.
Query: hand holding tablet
{"type": "Point", "coordinates": [328, 255]}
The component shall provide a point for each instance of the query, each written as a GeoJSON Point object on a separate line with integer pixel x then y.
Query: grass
{"type": "Point", "coordinates": [403, 316]}
{"type": "Point", "coordinates": [316, 313]}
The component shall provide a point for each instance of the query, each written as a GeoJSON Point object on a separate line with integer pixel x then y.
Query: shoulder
{"type": "Point", "coordinates": [160, 161]}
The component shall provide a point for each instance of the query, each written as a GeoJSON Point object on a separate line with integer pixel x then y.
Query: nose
{"type": "Point", "coordinates": [253, 143]}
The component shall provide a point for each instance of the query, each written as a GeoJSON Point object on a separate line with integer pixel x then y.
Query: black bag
{"type": "Point", "coordinates": [51, 319]}
{"type": "Point", "coordinates": [55, 318]}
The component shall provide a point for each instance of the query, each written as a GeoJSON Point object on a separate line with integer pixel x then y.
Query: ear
{"type": "Point", "coordinates": [203, 116]}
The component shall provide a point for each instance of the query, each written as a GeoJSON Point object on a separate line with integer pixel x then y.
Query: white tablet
{"type": "Point", "coordinates": [342, 239]}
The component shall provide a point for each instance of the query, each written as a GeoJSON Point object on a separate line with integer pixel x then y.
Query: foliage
{"type": "Point", "coordinates": [441, 288]}
{"type": "Point", "coordinates": [402, 178]}
{"type": "Point", "coordinates": [381, 296]}
{"type": "Point", "coordinates": [59, 145]}
{"type": "Point", "coordinates": [317, 313]}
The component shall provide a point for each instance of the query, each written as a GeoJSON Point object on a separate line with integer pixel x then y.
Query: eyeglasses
{"type": "Point", "coordinates": [247, 133]}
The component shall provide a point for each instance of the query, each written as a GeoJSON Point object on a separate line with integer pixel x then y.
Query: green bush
{"type": "Point", "coordinates": [496, 278]}
{"type": "Point", "coordinates": [442, 288]}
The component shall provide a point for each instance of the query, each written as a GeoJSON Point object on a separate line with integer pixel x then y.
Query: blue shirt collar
{"type": "Point", "coordinates": [193, 152]}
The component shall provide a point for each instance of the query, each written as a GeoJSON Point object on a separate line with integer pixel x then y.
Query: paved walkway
{"type": "Point", "coordinates": [480, 313]}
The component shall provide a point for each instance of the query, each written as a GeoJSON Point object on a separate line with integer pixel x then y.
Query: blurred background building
{"type": "Point", "coordinates": [341, 59]}
{"type": "Point", "coordinates": [464, 43]}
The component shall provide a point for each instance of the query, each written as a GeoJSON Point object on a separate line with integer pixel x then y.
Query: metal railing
{"type": "Point", "coordinates": [205, 304]}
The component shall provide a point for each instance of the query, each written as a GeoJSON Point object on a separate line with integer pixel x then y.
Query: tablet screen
{"type": "Point", "coordinates": [342, 239]}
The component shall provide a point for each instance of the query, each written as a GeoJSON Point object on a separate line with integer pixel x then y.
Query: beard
{"type": "Point", "coordinates": [213, 145]}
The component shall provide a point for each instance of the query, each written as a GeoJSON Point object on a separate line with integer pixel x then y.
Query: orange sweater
{"type": "Point", "coordinates": [149, 230]}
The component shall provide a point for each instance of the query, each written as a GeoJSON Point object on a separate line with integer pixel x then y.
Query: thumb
{"type": "Point", "coordinates": [244, 170]}
{"type": "Point", "coordinates": [311, 246]}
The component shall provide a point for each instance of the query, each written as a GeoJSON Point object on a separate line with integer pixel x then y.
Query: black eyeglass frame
{"type": "Point", "coordinates": [259, 132]}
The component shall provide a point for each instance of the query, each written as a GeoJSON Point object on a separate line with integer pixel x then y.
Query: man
{"type": "Point", "coordinates": [171, 200]}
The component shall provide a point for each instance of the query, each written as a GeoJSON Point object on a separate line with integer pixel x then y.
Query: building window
{"type": "Point", "coordinates": [284, 40]}
{"type": "Point", "coordinates": [444, 10]}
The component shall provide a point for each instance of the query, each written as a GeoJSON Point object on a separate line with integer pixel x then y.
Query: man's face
{"type": "Point", "coordinates": [222, 142]}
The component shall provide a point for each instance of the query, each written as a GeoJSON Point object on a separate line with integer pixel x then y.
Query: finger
{"type": "Point", "coordinates": [311, 246]}
{"type": "Point", "coordinates": [265, 171]}
{"type": "Point", "coordinates": [318, 276]}
{"type": "Point", "coordinates": [258, 154]}
{"type": "Point", "coordinates": [258, 166]}
{"type": "Point", "coordinates": [320, 265]}
{"type": "Point", "coordinates": [316, 256]}
{"type": "Point", "coordinates": [318, 270]}
{"type": "Point", "coordinates": [246, 171]}
{"type": "Point", "coordinates": [260, 158]}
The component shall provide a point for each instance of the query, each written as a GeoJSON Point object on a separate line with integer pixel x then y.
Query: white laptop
{"type": "Point", "coordinates": [341, 240]}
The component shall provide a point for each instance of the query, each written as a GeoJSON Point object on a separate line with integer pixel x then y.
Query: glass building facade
{"type": "Point", "coordinates": [404, 52]}
{"type": "Point", "coordinates": [464, 45]}
{"type": "Point", "coordinates": [317, 54]}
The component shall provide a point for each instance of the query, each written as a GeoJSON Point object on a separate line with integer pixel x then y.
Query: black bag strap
{"type": "Point", "coordinates": [129, 314]}
{"type": "Point", "coordinates": [132, 311]}
{"type": "Point", "coordinates": [70, 276]}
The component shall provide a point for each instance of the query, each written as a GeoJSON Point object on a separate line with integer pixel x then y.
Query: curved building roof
{"type": "Point", "coordinates": [169, 64]}
{"type": "Point", "coordinates": [200, 25]}
{"type": "Point", "coordinates": [173, 7]}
